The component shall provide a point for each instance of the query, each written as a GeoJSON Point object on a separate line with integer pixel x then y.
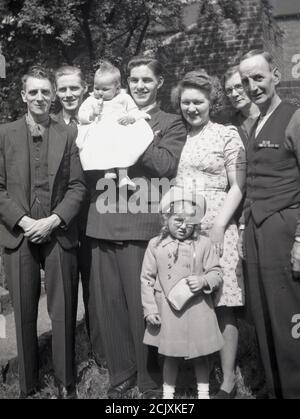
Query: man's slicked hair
{"type": "Point", "coordinates": [149, 61]}
{"type": "Point", "coordinates": [38, 72]}
{"type": "Point", "coordinates": [267, 56]}
{"type": "Point", "coordinates": [68, 70]}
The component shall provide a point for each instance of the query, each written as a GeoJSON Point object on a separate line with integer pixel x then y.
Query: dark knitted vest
{"type": "Point", "coordinates": [273, 178]}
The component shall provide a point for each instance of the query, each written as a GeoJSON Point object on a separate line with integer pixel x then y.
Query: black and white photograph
{"type": "Point", "coordinates": [150, 202]}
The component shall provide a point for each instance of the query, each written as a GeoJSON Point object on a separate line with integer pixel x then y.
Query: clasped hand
{"type": "Point", "coordinates": [196, 283]}
{"type": "Point", "coordinates": [39, 231]}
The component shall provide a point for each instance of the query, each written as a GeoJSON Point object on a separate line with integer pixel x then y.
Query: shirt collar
{"type": "Point", "coordinates": [151, 109]}
{"type": "Point", "coordinates": [168, 240]}
{"type": "Point", "coordinates": [69, 118]}
{"type": "Point", "coordinates": [37, 129]}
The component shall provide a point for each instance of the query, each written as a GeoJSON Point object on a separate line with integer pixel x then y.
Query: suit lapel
{"type": "Point", "coordinates": [269, 122]}
{"type": "Point", "coordinates": [20, 143]}
{"type": "Point", "coordinates": [155, 119]}
{"type": "Point", "coordinates": [57, 143]}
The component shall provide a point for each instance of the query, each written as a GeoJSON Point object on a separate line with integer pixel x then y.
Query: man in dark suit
{"type": "Point", "coordinates": [41, 192]}
{"type": "Point", "coordinates": [119, 240]}
{"type": "Point", "coordinates": [272, 234]}
{"type": "Point", "coordinates": [70, 91]}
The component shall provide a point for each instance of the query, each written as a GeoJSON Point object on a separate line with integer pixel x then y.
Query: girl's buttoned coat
{"type": "Point", "coordinates": [193, 331]}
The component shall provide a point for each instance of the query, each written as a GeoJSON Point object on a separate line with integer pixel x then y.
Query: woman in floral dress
{"type": "Point", "coordinates": [213, 163]}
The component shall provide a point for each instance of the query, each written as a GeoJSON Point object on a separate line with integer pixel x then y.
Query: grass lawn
{"type": "Point", "coordinates": [93, 381]}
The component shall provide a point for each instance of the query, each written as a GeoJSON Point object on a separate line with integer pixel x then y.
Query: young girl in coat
{"type": "Point", "coordinates": [113, 132]}
{"type": "Point", "coordinates": [180, 251]}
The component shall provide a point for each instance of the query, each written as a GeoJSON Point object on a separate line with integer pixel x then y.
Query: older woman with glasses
{"type": "Point", "coordinates": [246, 111]}
{"type": "Point", "coordinates": [213, 163]}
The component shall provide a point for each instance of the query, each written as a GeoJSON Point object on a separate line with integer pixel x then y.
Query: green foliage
{"type": "Point", "coordinates": [78, 32]}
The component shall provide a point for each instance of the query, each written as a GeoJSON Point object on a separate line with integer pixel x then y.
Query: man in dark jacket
{"type": "Point", "coordinates": [120, 236]}
{"type": "Point", "coordinates": [272, 236]}
{"type": "Point", "coordinates": [70, 91]}
{"type": "Point", "coordinates": [41, 192]}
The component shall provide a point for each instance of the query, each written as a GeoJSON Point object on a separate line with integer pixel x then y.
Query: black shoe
{"type": "Point", "coordinates": [263, 394]}
{"type": "Point", "coordinates": [155, 393]}
{"type": "Point", "coordinates": [96, 360]}
{"type": "Point", "coordinates": [224, 395]}
{"type": "Point", "coordinates": [119, 391]}
{"type": "Point", "coordinates": [67, 393]}
{"type": "Point", "coordinates": [32, 393]}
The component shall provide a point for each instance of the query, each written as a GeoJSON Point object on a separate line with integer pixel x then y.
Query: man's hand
{"type": "Point", "coordinates": [153, 319]}
{"type": "Point", "coordinates": [145, 115]}
{"type": "Point", "coordinates": [41, 230]}
{"type": "Point", "coordinates": [295, 260]}
{"type": "Point", "coordinates": [196, 283]}
{"type": "Point", "coordinates": [217, 236]}
{"type": "Point", "coordinates": [241, 245]}
{"type": "Point", "coordinates": [26, 223]}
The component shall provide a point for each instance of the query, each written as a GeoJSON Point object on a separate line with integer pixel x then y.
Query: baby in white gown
{"type": "Point", "coordinates": [113, 132]}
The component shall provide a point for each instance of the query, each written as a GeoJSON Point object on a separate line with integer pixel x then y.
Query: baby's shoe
{"type": "Point", "coordinates": [110, 174]}
{"type": "Point", "coordinates": [126, 181]}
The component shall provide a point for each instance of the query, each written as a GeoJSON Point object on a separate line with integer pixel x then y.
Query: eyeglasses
{"type": "Point", "coordinates": [238, 88]}
{"type": "Point", "coordinates": [187, 221]}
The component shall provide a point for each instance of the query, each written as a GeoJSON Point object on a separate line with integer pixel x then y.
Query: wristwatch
{"type": "Point", "coordinates": [297, 239]}
{"type": "Point", "coordinates": [242, 227]}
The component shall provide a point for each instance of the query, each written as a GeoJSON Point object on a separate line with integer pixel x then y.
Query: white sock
{"type": "Point", "coordinates": [203, 391]}
{"type": "Point", "coordinates": [168, 391]}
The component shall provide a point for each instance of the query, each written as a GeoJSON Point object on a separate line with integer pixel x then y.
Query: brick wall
{"type": "Point", "coordinates": [216, 45]}
{"type": "Point", "coordinates": [290, 90]}
{"type": "Point", "coordinates": [290, 27]}
{"type": "Point", "coordinates": [290, 86]}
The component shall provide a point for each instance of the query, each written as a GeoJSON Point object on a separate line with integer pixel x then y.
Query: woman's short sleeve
{"type": "Point", "coordinates": [234, 150]}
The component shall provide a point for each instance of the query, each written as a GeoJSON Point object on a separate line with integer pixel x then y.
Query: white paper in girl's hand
{"type": "Point", "coordinates": [2, 327]}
